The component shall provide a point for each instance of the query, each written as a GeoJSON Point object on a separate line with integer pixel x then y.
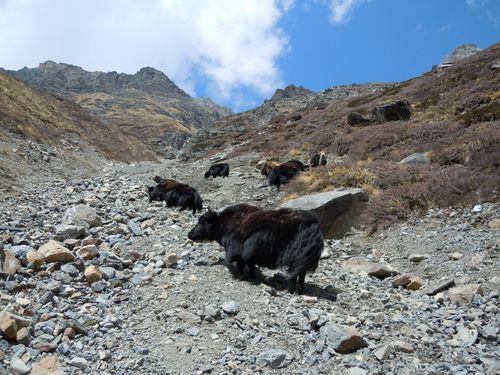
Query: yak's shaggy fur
{"type": "Point", "coordinates": [175, 194]}
{"type": "Point", "coordinates": [219, 169]}
{"type": "Point", "coordinates": [285, 172]}
{"type": "Point", "coordinates": [269, 238]}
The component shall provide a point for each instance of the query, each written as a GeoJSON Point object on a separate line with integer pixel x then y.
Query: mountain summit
{"type": "Point", "coordinates": [147, 104]}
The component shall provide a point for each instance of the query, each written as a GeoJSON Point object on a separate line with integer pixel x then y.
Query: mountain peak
{"type": "Point", "coordinates": [461, 52]}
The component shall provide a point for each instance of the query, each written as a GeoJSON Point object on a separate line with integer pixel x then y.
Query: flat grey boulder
{"type": "Point", "coordinates": [337, 210]}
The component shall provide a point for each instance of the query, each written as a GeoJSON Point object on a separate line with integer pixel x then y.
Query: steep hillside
{"type": "Point", "coordinates": [49, 126]}
{"type": "Point", "coordinates": [455, 121]}
{"type": "Point", "coordinates": [147, 104]}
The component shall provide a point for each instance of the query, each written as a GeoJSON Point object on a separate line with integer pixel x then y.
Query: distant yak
{"type": "Point", "coordinates": [318, 159]}
{"type": "Point", "coordinates": [283, 173]}
{"type": "Point", "coordinates": [266, 166]}
{"type": "Point", "coordinates": [269, 238]}
{"type": "Point", "coordinates": [175, 194]}
{"type": "Point", "coordinates": [219, 169]}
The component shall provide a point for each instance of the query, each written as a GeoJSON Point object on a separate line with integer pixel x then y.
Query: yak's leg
{"type": "Point", "coordinates": [240, 263]}
{"type": "Point", "coordinates": [300, 286]}
{"type": "Point", "coordinates": [251, 270]}
{"type": "Point", "coordinates": [292, 283]}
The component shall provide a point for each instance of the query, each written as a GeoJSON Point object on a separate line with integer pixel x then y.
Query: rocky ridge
{"type": "Point", "coordinates": [100, 281]}
{"type": "Point", "coordinates": [147, 105]}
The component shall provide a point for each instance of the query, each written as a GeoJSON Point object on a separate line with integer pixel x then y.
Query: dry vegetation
{"type": "Point", "coordinates": [455, 118]}
{"type": "Point", "coordinates": [48, 119]}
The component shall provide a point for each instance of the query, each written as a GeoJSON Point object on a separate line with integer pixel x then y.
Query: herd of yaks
{"type": "Point", "coordinates": [250, 235]}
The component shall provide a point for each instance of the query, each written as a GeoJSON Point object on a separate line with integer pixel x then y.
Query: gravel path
{"type": "Point", "coordinates": [165, 305]}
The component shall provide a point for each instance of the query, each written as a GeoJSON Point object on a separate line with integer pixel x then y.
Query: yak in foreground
{"type": "Point", "coordinates": [175, 194]}
{"type": "Point", "coordinates": [285, 172]}
{"type": "Point", "coordinates": [269, 238]}
{"type": "Point", "coordinates": [219, 169]}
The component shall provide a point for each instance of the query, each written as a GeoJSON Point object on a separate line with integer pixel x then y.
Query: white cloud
{"type": "Point", "coordinates": [341, 10]}
{"type": "Point", "coordinates": [232, 45]}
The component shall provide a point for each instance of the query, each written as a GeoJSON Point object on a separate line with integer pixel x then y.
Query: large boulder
{"type": "Point", "coordinates": [398, 110]}
{"type": "Point", "coordinates": [337, 210]}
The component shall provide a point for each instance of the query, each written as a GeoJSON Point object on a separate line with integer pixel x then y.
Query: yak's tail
{"type": "Point", "coordinates": [304, 252]}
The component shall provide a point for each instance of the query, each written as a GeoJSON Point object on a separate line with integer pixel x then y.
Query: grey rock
{"type": "Point", "coordinates": [18, 367]}
{"type": "Point", "coordinates": [417, 158]}
{"type": "Point", "coordinates": [343, 340]}
{"type": "Point", "coordinates": [362, 266]}
{"type": "Point", "coordinates": [337, 210]}
{"type": "Point", "coordinates": [231, 307]}
{"type": "Point", "coordinates": [81, 215]}
{"type": "Point", "coordinates": [274, 358]}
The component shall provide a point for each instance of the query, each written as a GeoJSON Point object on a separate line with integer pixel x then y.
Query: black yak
{"type": "Point", "coordinates": [175, 194]}
{"type": "Point", "coordinates": [318, 159]}
{"type": "Point", "coordinates": [266, 166]}
{"type": "Point", "coordinates": [219, 169]}
{"type": "Point", "coordinates": [285, 172]}
{"type": "Point", "coordinates": [269, 238]}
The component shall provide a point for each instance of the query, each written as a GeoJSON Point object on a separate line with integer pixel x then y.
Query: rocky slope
{"type": "Point", "coordinates": [147, 105]}
{"type": "Point", "coordinates": [42, 133]}
{"type": "Point", "coordinates": [146, 300]}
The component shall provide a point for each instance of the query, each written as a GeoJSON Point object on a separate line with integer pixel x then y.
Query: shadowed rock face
{"type": "Point", "coordinates": [337, 210]}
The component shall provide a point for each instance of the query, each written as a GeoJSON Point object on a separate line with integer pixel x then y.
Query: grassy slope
{"type": "Point", "coordinates": [47, 119]}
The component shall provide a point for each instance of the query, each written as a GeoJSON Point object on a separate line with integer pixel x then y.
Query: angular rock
{"type": "Point", "coordinates": [18, 367]}
{"type": "Point", "coordinates": [47, 366]}
{"type": "Point", "coordinates": [54, 251]}
{"type": "Point", "coordinates": [464, 294]}
{"type": "Point", "coordinates": [23, 336]}
{"type": "Point", "coordinates": [170, 260]}
{"type": "Point", "coordinates": [455, 256]}
{"type": "Point", "coordinates": [398, 110]}
{"type": "Point", "coordinates": [8, 325]}
{"type": "Point", "coordinates": [65, 231]}
{"type": "Point", "coordinates": [467, 337]}
{"type": "Point", "coordinates": [343, 340]}
{"type": "Point", "coordinates": [35, 258]}
{"type": "Point", "coordinates": [78, 362]}
{"type": "Point", "coordinates": [415, 283]}
{"type": "Point", "coordinates": [274, 358]}
{"type": "Point", "coordinates": [337, 210]}
{"type": "Point", "coordinates": [383, 352]}
{"type": "Point", "coordinates": [417, 158]}
{"type": "Point", "coordinates": [82, 215]}
{"type": "Point", "coordinates": [231, 307]}
{"type": "Point", "coordinates": [402, 346]}
{"type": "Point", "coordinates": [437, 287]}
{"type": "Point", "coordinates": [401, 280]}
{"type": "Point", "coordinates": [10, 263]}
{"type": "Point", "coordinates": [88, 252]}
{"type": "Point", "coordinates": [92, 274]}
{"type": "Point", "coordinates": [361, 266]}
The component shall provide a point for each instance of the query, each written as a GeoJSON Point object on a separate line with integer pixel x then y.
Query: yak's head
{"type": "Point", "coordinates": [207, 174]}
{"type": "Point", "coordinates": [155, 193]}
{"type": "Point", "coordinates": [206, 228]}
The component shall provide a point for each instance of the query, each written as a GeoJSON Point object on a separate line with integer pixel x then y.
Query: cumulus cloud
{"type": "Point", "coordinates": [232, 46]}
{"type": "Point", "coordinates": [341, 10]}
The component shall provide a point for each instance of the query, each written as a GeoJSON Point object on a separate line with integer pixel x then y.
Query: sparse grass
{"type": "Point", "coordinates": [488, 112]}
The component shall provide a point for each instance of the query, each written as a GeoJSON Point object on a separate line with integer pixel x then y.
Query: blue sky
{"type": "Point", "coordinates": [238, 52]}
{"type": "Point", "coordinates": [384, 40]}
